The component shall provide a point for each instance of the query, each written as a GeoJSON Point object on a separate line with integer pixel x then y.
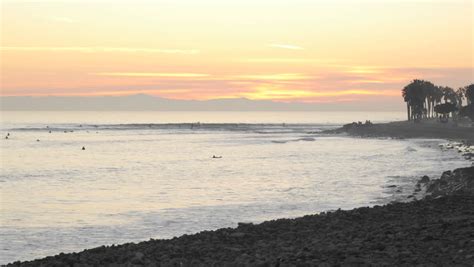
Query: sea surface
{"type": "Point", "coordinates": [149, 175]}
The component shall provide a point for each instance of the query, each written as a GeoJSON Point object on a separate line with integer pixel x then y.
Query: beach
{"type": "Point", "coordinates": [236, 133]}
{"type": "Point", "coordinates": [434, 231]}
{"type": "Point", "coordinates": [142, 176]}
{"type": "Point", "coordinates": [432, 226]}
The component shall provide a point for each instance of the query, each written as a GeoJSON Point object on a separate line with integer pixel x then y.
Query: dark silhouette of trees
{"type": "Point", "coordinates": [407, 94]}
{"type": "Point", "coordinates": [469, 93]}
{"type": "Point", "coordinates": [445, 109]}
{"type": "Point", "coordinates": [436, 97]}
{"type": "Point", "coordinates": [467, 111]}
{"type": "Point", "coordinates": [424, 100]}
{"type": "Point", "coordinates": [449, 95]}
{"type": "Point", "coordinates": [416, 95]}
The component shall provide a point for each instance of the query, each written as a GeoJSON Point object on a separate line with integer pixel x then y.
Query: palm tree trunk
{"type": "Point", "coordinates": [429, 108]}
{"type": "Point", "coordinates": [408, 111]}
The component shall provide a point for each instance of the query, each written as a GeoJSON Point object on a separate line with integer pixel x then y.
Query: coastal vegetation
{"type": "Point", "coordinates": [426, 100]}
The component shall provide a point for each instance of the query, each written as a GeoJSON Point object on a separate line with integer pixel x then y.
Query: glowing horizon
{"type": "Point", "coordinates": [293, 51]}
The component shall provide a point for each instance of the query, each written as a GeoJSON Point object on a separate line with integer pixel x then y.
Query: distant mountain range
{"type": "Point", "coordinates": [147, 102]}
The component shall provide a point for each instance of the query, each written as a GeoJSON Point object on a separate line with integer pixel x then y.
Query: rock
{"type": "Point", "coordinates": [137, 258]}
{"type": "Point", "coordinates": [459, 181]}
{"type": "Point", "coordinates": [241, 224]}
{"type": "Point", "coordinates": [237, 234]}
{"type": "Point", "coordinates": [446, 174]}
{"type": "Point", "coordinates": [425, 179]}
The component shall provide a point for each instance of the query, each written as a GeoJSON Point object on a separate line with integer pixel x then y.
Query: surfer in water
{"type": "Point", "coordinates": [216, 157]}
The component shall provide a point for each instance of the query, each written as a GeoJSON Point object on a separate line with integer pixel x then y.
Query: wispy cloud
{"type": "Point", "coordinates": [277, 60]}
{"type": "Point", "coordinates": [94, 49]}
{"type": "Point", "coordinates": [152, 74]}
{"type": "Point", "coordinates": [364, 70]}
{"type": "Point", "coordinates": [229, 78]}
{"type": "Point", "coordinates": [275, 77]}
{"type": "Point", "coordinates": [138, 91]}
{"type": "Point", "coordinates": [286, 46]}
{"type": "Point", "coordinates": [276, 93]}
{"type": "Point", "coordinates": [62, 19]}
{"type": "Point", "coordinates": [268, 92]}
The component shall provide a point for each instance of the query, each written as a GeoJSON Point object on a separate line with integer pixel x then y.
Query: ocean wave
{"type": "Point", "coordinates": [306, 139]}
{"type": "Point", "coordinates": [281, 128]}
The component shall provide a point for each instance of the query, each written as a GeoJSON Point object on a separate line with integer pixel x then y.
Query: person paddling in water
{"type": "Point", "coordinates": [216, 157]}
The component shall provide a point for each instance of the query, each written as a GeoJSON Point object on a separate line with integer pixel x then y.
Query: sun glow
{"type": "Point", "coordinates": [266, 92]}
{"type": "Point", "coordinates": [153, 74]}
{"type": "Point", "coordinates": [311, 51]}
{"type": "Point", "coordinates": [275, 77]}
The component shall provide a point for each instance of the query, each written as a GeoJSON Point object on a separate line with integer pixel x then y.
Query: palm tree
{"type": "Point", "coordinates": [437, 96]}
{"type": "Point", "coordinates": [429, 92]}
{"type": "Point", "coordinates": [407, 94]}
{"type": "Point", "coordinates": [414, 94]}
{"type": "Point", "coordinates": [460, 93]}
{"type": "Point", "coordinates": [469, 93]}
{"type": "Point", "coordinates": [450, 96]}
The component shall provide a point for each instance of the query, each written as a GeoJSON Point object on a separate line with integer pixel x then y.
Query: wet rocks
{"type": "Point", "coordinates": [425, 179]}
{"type": "Point", "coordinates": [466, 149]}
{"type": "Point", "coordinates": [459, 181]}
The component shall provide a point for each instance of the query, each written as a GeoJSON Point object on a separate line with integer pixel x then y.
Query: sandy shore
{"type": "Point", "coordinates": [405, 129]}
{"type": "Point", "coordinates": [435, 231]}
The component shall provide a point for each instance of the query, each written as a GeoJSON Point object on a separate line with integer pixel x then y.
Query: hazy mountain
{"type": "Point", "coordinates": [147, 102]}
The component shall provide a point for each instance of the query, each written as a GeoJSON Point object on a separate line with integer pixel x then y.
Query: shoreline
{"type": "Point", "coordinates": [436, 230]}
{"type": "Point", "coordinates": [379, 235]}
{"type": "Point", "coordinates": [407, 129]}
{"type": "Point", "coordinates": [459, 137]}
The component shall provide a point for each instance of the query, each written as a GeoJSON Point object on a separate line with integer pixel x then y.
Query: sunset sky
{"type": "Point", "coordinates": [292, 50]}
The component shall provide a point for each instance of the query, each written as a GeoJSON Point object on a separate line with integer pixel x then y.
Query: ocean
{"type": "Point", "coordinates": [145, 175]}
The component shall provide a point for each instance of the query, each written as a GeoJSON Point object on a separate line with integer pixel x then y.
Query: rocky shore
{"type": "Point", "coordinates": [460, 136]}
{"type": "Point", "coordinates": [435, 231]}
{"type": "Point", "coordinates": [406, 129]}
{"type": "Point", "coordinates": [457, 182]}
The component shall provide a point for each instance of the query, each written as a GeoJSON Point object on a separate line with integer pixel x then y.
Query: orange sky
{"type": "Point", "coordinates": [306, 51]}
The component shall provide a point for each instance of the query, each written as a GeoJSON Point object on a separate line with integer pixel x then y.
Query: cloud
{"type": "Point", "coordinates": [92, 49]}
{"type": "Point", "coordinates": [225, 78]}
{"type": "Point", "coordinates": [286, 46]}
{"type": "Point", "coordinates": [278, 60]}
{"type": "Point", "coordinates": [165, 92]}
{"type": "Point", "coordinates": [152, 74]}
{"type": "Point", "coordinates": [63, 19]}
{"type": "Point", "coordinates": [364, 70]}
{"type": "Point", "coordinates": [269, 92]}
{"type": "Point", "coordinates": [275, 77]}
